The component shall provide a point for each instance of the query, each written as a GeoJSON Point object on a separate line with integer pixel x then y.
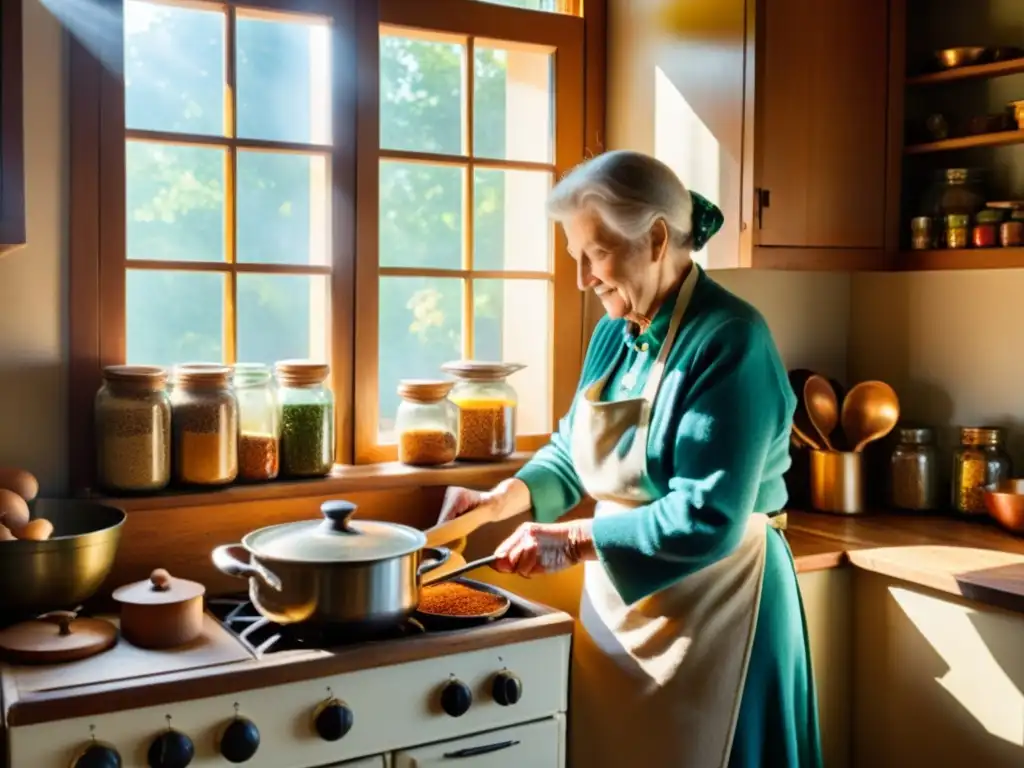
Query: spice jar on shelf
{"type": "Point", "coordinates": [914, 470]}
{"type": "Point", "coordinates": [957, 228]}
{"type": "Point", "coordinates": [487, 408]}
{"type": "Point", "coordinates": [259, 438]}
{"type": "Point", "coordinates": [205, 425]}
{"type": "Point", "coordinates": [427, 423]}
{"type": "Point", "coordinates": [921, 237]}
{"type": "Point", "coordinates": [980, 463]}
{"type": "Point", "coordinates": [307, 418]}
{"type": "Point", "coordinates": [985, 233]}
{"type": "Point", "coordinates": [133, 429]}
{"type": "Point", "coordinates": [1011, 233]}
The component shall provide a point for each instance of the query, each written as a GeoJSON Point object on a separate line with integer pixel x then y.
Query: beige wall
{"type": "Point", "coordinates": [33, 354]}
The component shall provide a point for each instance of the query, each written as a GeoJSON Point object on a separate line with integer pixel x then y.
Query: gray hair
{"type": "Point", "coordinates": [630, 191]}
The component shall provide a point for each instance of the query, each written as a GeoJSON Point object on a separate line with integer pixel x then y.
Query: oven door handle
{"type": "Point", "coordinates": [481, 750]}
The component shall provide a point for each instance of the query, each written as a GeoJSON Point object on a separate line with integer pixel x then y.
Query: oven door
{"type": "Point", "coordinates": [537, 745]}
{"type": "Point", "coordinates": [377, 761]}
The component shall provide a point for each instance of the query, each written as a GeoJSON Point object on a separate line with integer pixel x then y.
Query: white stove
{"type": "Point", "coordinates": [263, 696]}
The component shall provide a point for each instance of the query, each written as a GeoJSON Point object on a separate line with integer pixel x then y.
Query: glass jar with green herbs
{"type": "Point", "coordinates": [307, 418]}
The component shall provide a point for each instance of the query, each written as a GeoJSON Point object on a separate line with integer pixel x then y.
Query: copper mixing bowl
{"type": "Point", "coordinates": [1006, 505]}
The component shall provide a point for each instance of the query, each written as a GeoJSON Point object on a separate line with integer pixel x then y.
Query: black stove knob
{"type": "Point", "coordinates": [507, 689]}
{"type": "Point", "coordinates": [333, 720]}
{"type": "Point", "coordinates": [171, 749]}
{"type": "Point", "coordinates": [98, 756]}
{"type": "Point", "coordinates": [456, 698]}
{"type": "Point", "coordinates": [240, 740]}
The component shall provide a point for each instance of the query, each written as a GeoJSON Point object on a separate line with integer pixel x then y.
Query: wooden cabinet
{"type": "Point", "coordinates": [774, 109]}
{"type": "Point", "coordinates": [12, 161]}
{"type": "Point", "coordinates": [820, 123]}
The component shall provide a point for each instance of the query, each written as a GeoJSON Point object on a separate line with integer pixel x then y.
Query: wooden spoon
{"type": "Point", "coordinates": [822, 407]}
{"type": "Point", "coordinates": [870, 412]}
{"type": "Point", "coordinates": [802, 426]}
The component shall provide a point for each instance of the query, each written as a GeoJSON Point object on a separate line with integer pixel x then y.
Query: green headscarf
{"type": "Point", "coordinates": [707, 219]}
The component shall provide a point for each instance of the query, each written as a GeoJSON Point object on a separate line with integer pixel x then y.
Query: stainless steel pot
{"type": "Point", "coordinates": [65, 570]}
{"type": "Point", "coordinates": [337, 571]}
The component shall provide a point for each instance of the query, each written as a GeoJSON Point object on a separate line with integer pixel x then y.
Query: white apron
{"type": "Point", "coordinates": [657, 683]}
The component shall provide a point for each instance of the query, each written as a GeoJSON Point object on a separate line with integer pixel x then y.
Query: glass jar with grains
{"type": "Point", "coordinates": [980, 463]}
{"type": "Point", "coordinates": [427, 423]}
{"type": "Point", "coordinates": [133, 429]}
{"type": "Point", "coordinates": [487, 408]}
{"type": "Point", "coordinates": [307, 418]}
{"type": "Point", "coordinates": [205, 423]}
{"type": "Point", "coordinates": [914, 470]}
{"type": "Point", "coordinates": [259, 437]}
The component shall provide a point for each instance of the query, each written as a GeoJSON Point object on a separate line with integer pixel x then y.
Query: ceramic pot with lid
{"type": "Point", "coordinates": [162, 611]}
{"type": "Point", "coordinates": [363, 573]}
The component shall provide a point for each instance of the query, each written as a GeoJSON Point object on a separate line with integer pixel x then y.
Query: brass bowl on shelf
{"type": "Point", "coordinates": [951, 58]}
{"type": "Point", "coordinates": [1006, 505]}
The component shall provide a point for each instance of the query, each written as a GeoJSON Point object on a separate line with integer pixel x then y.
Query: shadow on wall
{"type": "Point", "coordinates": [33, 435]}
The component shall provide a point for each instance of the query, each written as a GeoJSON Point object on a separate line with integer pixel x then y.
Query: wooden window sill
{"type": "Point", "coordinates": [343, 479]}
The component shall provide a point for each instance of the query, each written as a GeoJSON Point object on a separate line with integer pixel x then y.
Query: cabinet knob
{"type": "Point", "coordinates": [333, 720]}
{"type": "Point", "coordinates": [171, 749]}
{"type": "Point", "coordinates": [456, 698]}
{"type": "Point", "coordinates": [240, 740]}
{"type": "Point", "coordinates": [98, 756]}
{"type": "Point", "coordinates": [507, 689]}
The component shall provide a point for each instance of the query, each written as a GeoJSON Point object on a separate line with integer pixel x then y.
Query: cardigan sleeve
{"type": "Point", "coordinates": [555, 487]}
{"type": "Point", "coordinates": [730, 412]}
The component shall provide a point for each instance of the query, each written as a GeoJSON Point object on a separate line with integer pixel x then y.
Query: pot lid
{"type": "Point", "coordinates": [56, 637]}
{"type": "Point", "coordinates": [159, 589]}
{"type": "Point", "coordinates": [335, 539]}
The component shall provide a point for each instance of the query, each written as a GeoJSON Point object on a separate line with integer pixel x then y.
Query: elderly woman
{"type": "Point", "coordinates": [691, 650]}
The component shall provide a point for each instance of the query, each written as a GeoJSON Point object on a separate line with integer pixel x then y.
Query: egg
{"type": "Point", "coordinates": [5, 533]}
{"type": "Point", "coordinates": [21, 482]}
{"type": "Point", "coordinates": [13, 510]}
{"type": "Point", "coordinates": [39, 529]}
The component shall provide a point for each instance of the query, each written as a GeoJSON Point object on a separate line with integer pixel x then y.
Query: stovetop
{"type": "Point", "coordinates": [261, 636]}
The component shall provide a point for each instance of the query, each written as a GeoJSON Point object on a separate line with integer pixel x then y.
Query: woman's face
{"type": "Point", "coordinates": [623, 274]}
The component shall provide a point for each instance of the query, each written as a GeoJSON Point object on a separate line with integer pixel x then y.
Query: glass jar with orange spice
{"type": "Point", "coordinates": [204, 417]}
{"type": "Point", "coordinates": [259, 438]}
{"type": "Point", "coordinates": [427, 423]}
{"type": "Point", "coordinates": [487, 408]}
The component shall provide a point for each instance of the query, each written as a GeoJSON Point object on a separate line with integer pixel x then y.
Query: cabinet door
{"type": "Point", "coordinates": [820, 136]}
{"type": "Point", "coordinates": [536, 745]}
{"type": "Point", "coordinates": [12, 191]}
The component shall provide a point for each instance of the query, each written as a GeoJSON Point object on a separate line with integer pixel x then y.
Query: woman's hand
{"type": "Point", "coordinates": [537, 548]}
{"type": "Point", "coordinates": [508, 499]}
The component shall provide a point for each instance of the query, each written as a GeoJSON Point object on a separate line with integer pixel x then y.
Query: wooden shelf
{"type": "Point", "coordinates": [968, 258]}
{"type": "Point", "coordinates": [977, 71]}
{"type": "Point", "coordinates": [1001, 139]}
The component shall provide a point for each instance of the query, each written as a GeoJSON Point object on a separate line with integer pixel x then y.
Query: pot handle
{"type": "Point", "coordinates": [225, 561]}
{"type": "Point", "coordinates": [438, 556]}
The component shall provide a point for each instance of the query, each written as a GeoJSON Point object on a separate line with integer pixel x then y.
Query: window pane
{"type": "Point", "coordinates": [512, 104]}
{"type": "Point", "coordinates": [283, 208]}
{"type": "Point", "coordinates": [175, 202]}
{"type": "Point", "coordinates": [282, 317]}
{"type": "Point", "coordinates": [512, 323]}
{"type": "Point", "coordinates": [421, 95]}
{"type": "Point", "coordinates": [420, 329]}
{"type": "Point", "coordinates": [284, 80]}
{"type": "Point", "coordinates": [173, 68]}
{"type": "Point", "coordinates": [511, 228]}
{"type": "Point", "coordinates": [533, 5]}
{"type": "Point", "coordinates": [421, 215]}
{"type": "Point", "coordinates": [174, 317]}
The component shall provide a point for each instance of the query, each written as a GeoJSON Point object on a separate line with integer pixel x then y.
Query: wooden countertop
{"type": "Point", "coordinates": [971, 558]}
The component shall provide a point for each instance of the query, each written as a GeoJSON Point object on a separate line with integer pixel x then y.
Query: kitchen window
{"type": "Point", "coordinates": [354, 182]}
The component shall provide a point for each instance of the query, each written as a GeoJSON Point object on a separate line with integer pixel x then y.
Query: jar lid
{"type": "Point", "coordinates": [159, 589]}
{"type": "Point", "coordinates": [916, 435]}
{"type": "Point", "coordinates": [958, 220]}
{"type": "Point", "coordinates": [989, 216]}
{"type": "Point", "coordinates": [981, 435]}
{"type": "Point", "coordinates": [202, 374]}
{"type": "Point", "coordinates": [301, 372]}
{"type": "Point", "coordinates": [151, 376]}
{"type": "Point", "coordinates": [1008, 205]}
{"type": "Point", "coordinates": [478, 370]}
{"type": "Point", "coordinates": [921, 222]}
{"type": "Point", "coordinates": [251, 373]}
{"type": "Point", "coordinates": [424, 390]}
{"type": "Point", "coordinates": [335, 539]}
